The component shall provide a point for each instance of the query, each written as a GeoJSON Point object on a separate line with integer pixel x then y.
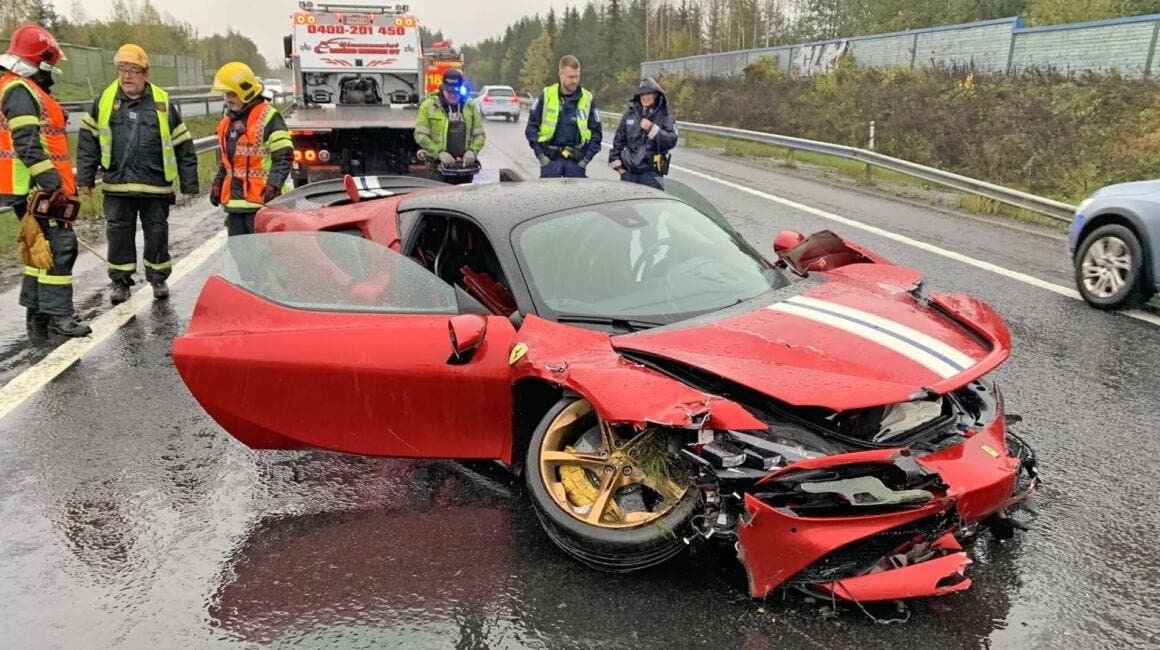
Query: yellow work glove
{"type": "Point", "coordinates": [33, 247]}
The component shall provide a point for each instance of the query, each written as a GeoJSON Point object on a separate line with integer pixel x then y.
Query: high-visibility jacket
{"type": "Point", "coordinates": [251, 161]}
{"type": "Point", "coordinates": [433, 122]}
{"type": "Point", "coordinates": [552, 114]}
{"type": "Point", "coordinates": [15, 176]}
{"type": "Point", "coordinates": [168, 156]}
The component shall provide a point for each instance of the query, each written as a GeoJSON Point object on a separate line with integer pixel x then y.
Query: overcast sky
{"type": "Point", "coordinates": [267, 21]}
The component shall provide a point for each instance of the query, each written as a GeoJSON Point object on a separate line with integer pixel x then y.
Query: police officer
{"type": "Point", "coordinates": [564, 126]}
{"type": "Point", "coordinates": [449, 128]}
{"type": "Point", "coordinates": [255, 148]}
{"type": "Point", "coordinates": [138, 138]}
{"type": "Point", "coordinates": [644, 137]}
{"type": "Point", "coordinates": [34, 150]}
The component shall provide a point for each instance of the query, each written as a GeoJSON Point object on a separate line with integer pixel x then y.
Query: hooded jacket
{"type": "Point", "coordinates": [633, 147]}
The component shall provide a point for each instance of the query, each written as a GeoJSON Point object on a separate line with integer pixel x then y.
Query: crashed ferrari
{"type": "Point", "coordinates": [653, 379]}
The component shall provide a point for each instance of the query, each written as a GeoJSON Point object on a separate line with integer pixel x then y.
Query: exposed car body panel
{"type": "Point", "coordinates": [912, 581]}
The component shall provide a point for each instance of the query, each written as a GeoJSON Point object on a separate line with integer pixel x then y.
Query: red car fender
{"type": "Point", "coordinates": [378, 220]}
{"type": "Point", "coordinates": [775, 545]}
{"type": "Point", "coordinates": [584, 362]}
{"type": "Point", "coordinates": [914, 581]}
{"type": "Point", "coordinates": [979, 471]}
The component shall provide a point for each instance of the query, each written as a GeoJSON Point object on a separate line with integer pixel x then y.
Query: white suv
{"type": "Point", "coordinates": [499, 101]}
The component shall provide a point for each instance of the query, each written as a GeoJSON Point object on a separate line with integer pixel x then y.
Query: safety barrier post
{"type": "Point", "coordinates": [870, 168]}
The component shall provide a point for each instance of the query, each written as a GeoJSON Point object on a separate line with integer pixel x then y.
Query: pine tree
{"type": "Point", "coordinates": [537, 64]}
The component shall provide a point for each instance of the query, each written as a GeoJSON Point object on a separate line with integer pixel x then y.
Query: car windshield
{"type": "Point", "coordinates": [652, 261]}
{"type": "Point", "coordinates": [500, 92]}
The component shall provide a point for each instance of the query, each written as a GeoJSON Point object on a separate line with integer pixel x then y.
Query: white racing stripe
{"type": "Point", "coordinates": [929, 342]}
{"type": "Point", "coordinates": [66, 354]}
{"type": "Point", "coordinates": [930, 248]}
{"type": "Point", "coordinates": [874, 335]}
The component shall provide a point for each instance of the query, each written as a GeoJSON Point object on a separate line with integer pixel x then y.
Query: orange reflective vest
{"type": "Point", "coordinates": [251, 161]}
{"type": "Point", "coordinates": [15, 176]}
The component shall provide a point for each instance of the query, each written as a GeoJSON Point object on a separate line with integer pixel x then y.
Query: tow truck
{"type": "Point", "coordinates": [440, 58]}
{"type": "Point", "coordinates": [358, 80]}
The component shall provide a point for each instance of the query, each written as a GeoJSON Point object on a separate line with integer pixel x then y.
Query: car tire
{"type": "Point", "coordinates": [616, 550]}
{"type": "Point", "coordinates": [1093, 264]}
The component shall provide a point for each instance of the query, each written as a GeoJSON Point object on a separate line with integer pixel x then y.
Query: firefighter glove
{"type": "Point", "coordinates": [58, 199]}
{"type": "Point", "coordinates": [215, 194]}
{"type": "Point", "coordinates": [544, 161]}
{"type": "Point", "coordinates": [269, 193]}
{"type": "Point", "coordinates": [583, 163]}
{"type": "Point", "coordinates": [31, 244]}
{"type": "Point", "coordinates": [446, 158]}
{"type": "Point", "coordinates": [469, 158]}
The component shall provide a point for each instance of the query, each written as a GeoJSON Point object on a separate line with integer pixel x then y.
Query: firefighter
{"type": "Point", "coordinates": [564, 126]}
{"type": "Point", "coordinates": [137, 137]}
{"type": "Point", "coordinates": [646, 134]}
{"type": "Point", "coordinates": [34, 155]}
{"type": "Point", "coordinates": [255, 147]}
{"type": "Point", "coordinates": [449, 128]}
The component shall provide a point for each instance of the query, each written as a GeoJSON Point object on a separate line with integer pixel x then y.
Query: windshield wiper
{"type": "Point", "coordinates": [627, 324]}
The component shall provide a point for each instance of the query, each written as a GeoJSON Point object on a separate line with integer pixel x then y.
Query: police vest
{"type": "Point", "coordinates": [551, 114]}
{"type": "Point", "coordinates": [105, 136]}
{"type": "Point", "coordinates": [251, 161]}
{"type": "Point", "coordinates": [15, 176]}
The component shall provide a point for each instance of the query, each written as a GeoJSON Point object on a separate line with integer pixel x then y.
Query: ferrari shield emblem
{"type": "Point", "coordinates": [994, 453]}
{"type": "Point", "coordinates": [519, 350]}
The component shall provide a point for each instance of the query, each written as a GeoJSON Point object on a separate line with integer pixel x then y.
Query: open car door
{"type": "Point", "coordinates": [324, 340]}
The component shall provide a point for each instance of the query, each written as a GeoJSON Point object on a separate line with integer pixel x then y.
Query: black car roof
{"type": "Point", "coordinates": [501, 206]}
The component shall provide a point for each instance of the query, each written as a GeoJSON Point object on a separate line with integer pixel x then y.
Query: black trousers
{"type": "Point", "coordinates": [51, 292]}
{"type": "Point", "coordinates": [240, 223]}
{"type": "Point", "coordinates": [121, 214]}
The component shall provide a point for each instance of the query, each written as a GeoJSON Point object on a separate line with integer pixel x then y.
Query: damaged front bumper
{"type": "Point", "coordinates": [903, 546]}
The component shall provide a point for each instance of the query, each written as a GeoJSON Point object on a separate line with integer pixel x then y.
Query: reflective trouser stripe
{"type": "Point", "coordinates": [123, 267]}
{"type": "Point", "coordinates": [57, 280]}
{"type": "Point", "coordinates": [160, 266]}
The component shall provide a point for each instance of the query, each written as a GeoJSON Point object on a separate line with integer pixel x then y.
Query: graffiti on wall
{"type": "Point", "coordinates": [809, 60]}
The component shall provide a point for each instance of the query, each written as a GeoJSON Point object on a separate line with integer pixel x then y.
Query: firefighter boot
{"type": "Point", "coordinates": [119, 294]}
{"type": "Point", "coordinates": [37, 327]}
{"type": "Point", "coordinates": [160, 290]}
{"type": "Point", "coordinates": [68, 326]}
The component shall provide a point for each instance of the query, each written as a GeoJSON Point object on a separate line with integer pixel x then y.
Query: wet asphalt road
{"type": "Point", "coordinates": [129, 519]}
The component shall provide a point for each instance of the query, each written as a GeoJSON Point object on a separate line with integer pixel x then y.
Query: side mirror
{"type": "Point", "coordinates": [786, 240]}
{"type": "Point", "coordinates": [466, 332]}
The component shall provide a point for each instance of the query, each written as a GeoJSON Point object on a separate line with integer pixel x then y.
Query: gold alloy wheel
{"type": "Point", "coordinates": [584, 483]}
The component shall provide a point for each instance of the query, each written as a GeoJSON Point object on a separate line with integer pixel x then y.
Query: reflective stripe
{"type": "Point", "coordinates": [105, 131]}
{"type": "Point", "coordinates": [33, 271]}
{"type": "Point", "coordinates": [23, 121]}
{"type": "Point", "coordinates": [242, 203]}
{"type": "Point", "coordinates": [138, 187]}
{"type": "Point", "coordinates": [160, 266]}
{"type": "Point", "coordinates": [55, 280]}
{"type": "Point", "coordinates": [40, 167]}
{"type": "Point", "coordinates": [422, 129]}
{"type": "Point", "coordinates": [185, 137]}
{"type": "Point", "coordinates": [280, 145]}
{"type": "Point", "coordinates": [123, 267]}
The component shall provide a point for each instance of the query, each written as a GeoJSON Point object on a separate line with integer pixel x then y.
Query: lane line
{"type": "Point", "coordinates": [921, 245]}
{"type": "Point", "coordinates": [27, 383]}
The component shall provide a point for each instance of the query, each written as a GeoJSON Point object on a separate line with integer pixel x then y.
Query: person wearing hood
{"type": "Point", "coordinates": [255, 148]}
{"type": "Point", "coordinates": [34, 157]}
{"type": "Point", "coordinates": [646, 134]}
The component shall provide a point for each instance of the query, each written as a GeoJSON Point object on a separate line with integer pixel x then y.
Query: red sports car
{"type": "Point", "coordinates": [653, 378]}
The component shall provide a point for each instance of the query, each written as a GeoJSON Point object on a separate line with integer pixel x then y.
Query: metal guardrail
{"type": "Point", "coordinates": [1047, 207]}
{"type": "Point", "coordinates": [206, 99]}
{"type": "Point", "coordinates": [200, 145]}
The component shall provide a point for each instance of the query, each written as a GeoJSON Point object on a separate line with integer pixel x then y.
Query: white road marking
{"type": "Point", "coordinates": [24, 385]}
{"type": "Point", "coordinates": [921, 245]}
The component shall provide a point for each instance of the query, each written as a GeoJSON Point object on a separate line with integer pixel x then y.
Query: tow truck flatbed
{"type": "Point", "coordinates": [351, 117]}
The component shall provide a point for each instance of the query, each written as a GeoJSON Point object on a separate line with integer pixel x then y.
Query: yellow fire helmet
{"type": "Point", "coordinates": [132, 54]}
{"type": "Point", "coordinates": [238, 78]}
